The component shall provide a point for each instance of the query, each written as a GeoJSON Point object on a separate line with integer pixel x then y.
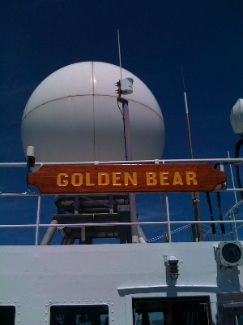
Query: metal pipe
{"type": "Point", "coordinates": [83, 235]}
{"type": "Point", "coordinates": [128, 155]}
{"type": "Point", "coordinates": [232, 215]}
{"type": "Point", "coordinates": [49, 233]}
{"type": "Point", "coordinates": [234, 228]}
{"type": "Point", "coordinates": [141, 236]}
{"type": "Point", "coordinates": [26, 194]}
{"type": "Point", "coordinates": [195, 195]}
{"type": "Point", "coordinates": [38, 220]}
{"type": "Point", "coordinates": [168, 216]}
{"type": "Point", "coordinates": [145, 223]}
{"type": "Point", "coordinates": [160, 161]}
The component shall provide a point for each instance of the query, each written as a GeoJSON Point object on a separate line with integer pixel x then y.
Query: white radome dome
{"type": "Point", "coordinates": [236, 116]}
{"type": "Point", "coordinates": [72, 116]}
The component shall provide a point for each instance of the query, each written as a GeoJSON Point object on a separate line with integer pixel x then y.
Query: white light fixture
{"type": "Point", "coordinates": [173, 267]}
{"type": "Point", "coordinates": [30, 156]}
{"type": "Point", "coordinates": [230, 253]}
{"type": "Point", "coordinates": [125, 86]}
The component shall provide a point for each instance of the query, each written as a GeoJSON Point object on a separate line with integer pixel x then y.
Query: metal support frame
{"type": "Point", "coordinates": [128, 154]}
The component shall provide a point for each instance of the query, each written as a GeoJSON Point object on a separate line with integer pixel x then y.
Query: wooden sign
{"type": "Point", "coordinates": [202, 177]}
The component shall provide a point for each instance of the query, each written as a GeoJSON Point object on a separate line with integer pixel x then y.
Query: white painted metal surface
{"type": "Point", "coordinates": [35, 278]}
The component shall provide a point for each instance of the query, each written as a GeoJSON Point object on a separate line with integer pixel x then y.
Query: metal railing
{"type": "Point", "coordinates": [184, 224]}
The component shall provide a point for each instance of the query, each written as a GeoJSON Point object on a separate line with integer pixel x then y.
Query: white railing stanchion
{"type": "Point", "coordinates": [37, 220]}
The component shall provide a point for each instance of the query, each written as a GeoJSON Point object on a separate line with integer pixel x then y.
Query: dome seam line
{"type": "Point", "coordinates": [72, 96]}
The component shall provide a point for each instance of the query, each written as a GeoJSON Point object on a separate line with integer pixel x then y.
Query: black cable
{"type": "Point", "coordinates": [119, 108]}
{"type": "Point", "coordinates": [222, 227]}
{"type": "Point", "coordinates": [211, 213]}
{"type": "Point", "coordinates": [220, 214]}
{"type": "Point", "coordinates": [27, 183]}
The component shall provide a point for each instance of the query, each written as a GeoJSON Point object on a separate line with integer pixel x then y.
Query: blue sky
{"type": "Point", "coordinates": [157, 38]}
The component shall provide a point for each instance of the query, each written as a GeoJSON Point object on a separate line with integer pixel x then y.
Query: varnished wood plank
{"type": "Point", "coordinates": [126, 178]}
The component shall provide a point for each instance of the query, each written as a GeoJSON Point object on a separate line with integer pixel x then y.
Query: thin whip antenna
{"type": "Point", "coordinates": [119, 50]}
{"type": "Point", "coordinates": [187, 115]}
{"type": "Point", "coordinates": [232, 179]}
{"type": "Point", "coordinates": [195, 196]}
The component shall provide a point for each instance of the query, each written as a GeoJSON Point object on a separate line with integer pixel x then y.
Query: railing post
{"type": "Point", "coordinates": [37, 220]}
{"type": "Point", "coordinates": [168, 216]}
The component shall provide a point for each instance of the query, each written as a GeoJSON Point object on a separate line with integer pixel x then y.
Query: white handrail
{"type": "Point", "coordinates": [154, 161]}
{"type": "Point", "coordinates": [168, 222]}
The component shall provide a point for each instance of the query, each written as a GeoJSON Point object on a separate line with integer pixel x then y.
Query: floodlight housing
{"type": "Point", "coordinates": [230, 253]}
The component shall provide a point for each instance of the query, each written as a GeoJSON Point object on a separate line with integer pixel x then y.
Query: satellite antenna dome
{"type": "Point", "coordinates": [236, 116]}
{"type": "Point", "coordinates": [73, 116]}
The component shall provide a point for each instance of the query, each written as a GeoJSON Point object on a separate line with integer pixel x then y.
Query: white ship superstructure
{"type": "Point", "coordinates": [75, 250]}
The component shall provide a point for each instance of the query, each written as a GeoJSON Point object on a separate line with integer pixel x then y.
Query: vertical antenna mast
{"type": "Point", "coordinates": [187, 115]}
{"type": "Point", "coordinates": [119, 49]}
{"type": "Point", "coordinates": [128, 151]}
{"type": "Point", "coordinates": [195, 196]}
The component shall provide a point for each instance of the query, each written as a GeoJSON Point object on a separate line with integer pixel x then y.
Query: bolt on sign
{"type": "Point", "coordinates": [112, 178]}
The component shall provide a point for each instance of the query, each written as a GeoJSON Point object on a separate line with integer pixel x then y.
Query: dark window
{"type": "Point", "coordinates": [170, 311]}
{"type": "Point", "coordinates": [240, 318]}
{"type": "Point", "coordinates": [79, 315]}
{"type": "Point", "coordinates": [230, 309]}
{"type": "Point", "coordinates": [7, 315]}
